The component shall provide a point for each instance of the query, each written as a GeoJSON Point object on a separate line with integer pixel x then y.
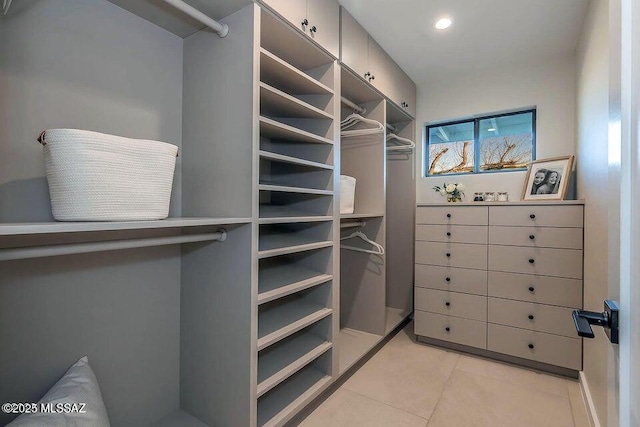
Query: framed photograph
{"type": "Point", "coordinates": [547, 179]}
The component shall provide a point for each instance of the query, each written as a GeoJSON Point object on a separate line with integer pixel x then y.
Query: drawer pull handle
{"type": "Point", "coordinates": [532, 216]}
{"type": "Point", "coordinates": [531, 289]}
{"type": "Point", "coordinates": [531, 346]}
{"type": "Point", "coordinates": [448, 329]}
{"type": "Point", "coordinates": [531, 260]}
{"type": "Point", "coordinates": [531, 317]}
{"type": "Point", "coordinates": [448, 279]}
{"type": "Point", "coordinates": [448, 215]}
{"type": "Point", "coordinates": [448, 255]}
{"type": "Point", "coordinates": [532, 237]}
{"type": "Point", "coordinates": [449, 233]}
{"type": "Point", "coordinates": [448, 304]}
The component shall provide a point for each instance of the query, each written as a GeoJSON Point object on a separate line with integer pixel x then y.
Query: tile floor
{"type": "Point", "coordinates": [413, 384]}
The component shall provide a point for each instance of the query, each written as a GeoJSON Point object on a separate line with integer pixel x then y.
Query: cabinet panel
{"type": "Point", "coordinates": [543, 237]}
{"type": "Point", "coordinates": [452, 329]}
{"type": "Point", "coordinates": [538, 289]}
{"type": "Point", "coordinates": [536, 317]}
{"type": "Point", "coordinates": [409, 95]}
{"type": "Point", "coordinates": [451, 279]}
{"type": "Point", "coordinates": [294, 11]}
{"type": "Point", "coordinates": [467, 306]}
{"type": "Point", "coordinates": [545, 348]}
{"type": "Point", "coordinates": [354, 52]}
{"type": "Point", "coordinates": [452, 255]}
{"type": "Point", "coordinates": [472, 215]}
{"type": "Point", "coordinates": [378, 66]}
{"type": "Point", "coordinates": [324, 15]}
{"type": "Point", "coordinates": [452, 233]}
{"type": "Point", "coordinates": [538, 216]}
{"type": "Point", "coordinates": [540, 261]}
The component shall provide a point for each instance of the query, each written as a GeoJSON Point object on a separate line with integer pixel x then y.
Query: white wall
{"type": "Point", "coordinates": [549, 85]}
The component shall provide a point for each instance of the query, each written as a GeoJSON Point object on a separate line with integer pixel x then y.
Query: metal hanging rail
{"type": "Point", "coordinates": [221, 29]}
{"type": "Point", "coordinates": [353, 224]}
{"type": "Point", "coordinates": [358, 109]}
{"type": "Point", "coordinates": [81, 248]}
{"type": "Point", "coordinates": [392, 128]}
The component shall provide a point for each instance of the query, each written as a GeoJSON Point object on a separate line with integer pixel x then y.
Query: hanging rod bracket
{"type": "Point", "coordinates": [223, 235]}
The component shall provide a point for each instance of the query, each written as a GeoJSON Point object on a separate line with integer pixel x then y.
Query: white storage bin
{"type": "Point", "coordinates": [98, 177]}
{"type": "Point", "coordinates": [347, 194]}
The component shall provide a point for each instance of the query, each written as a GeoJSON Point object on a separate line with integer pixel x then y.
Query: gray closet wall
{"type": "Point", "coordinates": [83, 65]}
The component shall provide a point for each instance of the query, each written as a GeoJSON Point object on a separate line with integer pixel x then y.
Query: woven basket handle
{"type": "Point", "coordinates": [41, 138]}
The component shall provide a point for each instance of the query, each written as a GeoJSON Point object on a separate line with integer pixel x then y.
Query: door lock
{"type": "Point", "coordinates": [608, 319]}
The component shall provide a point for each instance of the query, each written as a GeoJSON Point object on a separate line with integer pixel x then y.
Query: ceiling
{"type": "Point", "coordinates": [484, 34]}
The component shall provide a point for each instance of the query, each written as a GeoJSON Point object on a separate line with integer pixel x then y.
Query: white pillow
{"type": "Point", "coordinates": [79, 385]}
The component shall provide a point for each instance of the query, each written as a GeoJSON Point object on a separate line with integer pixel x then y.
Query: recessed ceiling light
{"type": "Point", "coordinates": [443, 23]}
{"type": "Point", "coordinates": [491, 130]}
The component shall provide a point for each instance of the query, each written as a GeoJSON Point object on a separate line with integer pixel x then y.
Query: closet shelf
{"type": "Point", "coordinates": [284, 244]}
{"type": "Point", "coordinates": [276, 406]}
{"type": "Point", "coordinates": [276, 103]}
{"type": "Point", "coordinates": [179, 419]}
{"type": "Point", "coordinates": [281, 280]}
{"type": "Point", "coordinates": [14, 229]}
{"type": "Point", "coordinates": [276, 72]}
{"type": "Point", "coordinates": [361, 215]}
{"type": "Point", "coordinates": [282, 362]}
{"type": "Point", "coordinates": [275, 130]}
{"type": "Point", "coordinates": [286, 319]}
{"type": "Point", "coordinates": [300, 190]}
{"type": "Point", "coordinates": [293, 160]}
{"type": "Point", "coordinates": [274, 214]}
{"type": "Point", "coordinates": [354, 345]}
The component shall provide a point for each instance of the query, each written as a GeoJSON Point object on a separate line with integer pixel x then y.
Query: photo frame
{"type": "Point", "coordinates": [548, 179]}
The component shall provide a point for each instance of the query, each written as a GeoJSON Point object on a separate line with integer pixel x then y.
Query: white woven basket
{"type": "Point", "coordinates": [97, 177]}
{"type": "Point", "coordinates": [347, 194]}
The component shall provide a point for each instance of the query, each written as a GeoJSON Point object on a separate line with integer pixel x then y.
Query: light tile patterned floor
{"type": "Point", "coordinates": [413, 384]}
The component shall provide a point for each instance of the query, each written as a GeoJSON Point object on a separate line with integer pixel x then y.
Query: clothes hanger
{"type": "Point", "coordinates": [6, 4]}
{"type": "Point", "coordinates": [354, 119]}
{"type": "Point", "coordinates": [405, 144]}
{"type": "Point", "coordinates": [361, 235]}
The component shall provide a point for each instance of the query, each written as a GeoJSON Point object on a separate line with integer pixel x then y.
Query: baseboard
{"type": "Point", "coordinates": [588, 401]}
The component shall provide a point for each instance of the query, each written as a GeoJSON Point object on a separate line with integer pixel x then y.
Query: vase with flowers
{"type": "Point", "coordinates": [453, 191]}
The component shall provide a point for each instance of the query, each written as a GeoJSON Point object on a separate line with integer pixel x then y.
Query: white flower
{"type": "Point", "coordinates": [451, 188]}
{"type": "Point", "coordinates": [443, 192]}
{"type": "Point", "coordinates": [461, 186]}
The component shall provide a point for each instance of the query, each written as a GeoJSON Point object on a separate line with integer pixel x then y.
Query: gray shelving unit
{"type": "Point", "coordinates": [297, 217]}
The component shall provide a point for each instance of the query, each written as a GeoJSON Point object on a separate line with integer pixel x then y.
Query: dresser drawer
{"type": "Point", "coordinates": [467, 306]}
{"type": "Point", "coordinates": [452, 233]}
{"type": "Point", "coordinates": [538, 346]}
{"type": "Point", "coordinates": [536, 317]}
{"type": "Point", "coordinates": [460, 215]}
{"type": "Point", "coordinates": [539, 261]}
{"type": "Point", "coordinates": [452, 254]}
{"type": "Point", "coordinates": [452, 329]}
{"type": "Point", "coordinates": [542, 237]}
{"type": "Point", "coordinates": [542, 216]}
{"type": "Point", "coordinates": [538, 289]}
{"type": "Point", "coordinates": [451, 279]}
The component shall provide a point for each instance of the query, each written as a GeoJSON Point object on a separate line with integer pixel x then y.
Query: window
{"type": "Point", "coordinates": [494, 143]}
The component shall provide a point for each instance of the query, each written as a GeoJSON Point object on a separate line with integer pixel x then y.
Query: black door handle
{"type": "Point", "coordinates": [608, 319]}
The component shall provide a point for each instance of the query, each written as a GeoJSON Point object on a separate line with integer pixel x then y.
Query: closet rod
{"type": "Point", "coordinates": [392, 128]}
{"type": "Point", "coordinates": [353, 224]}
{"type": "Point", "coordinates": [81, 248]}
{"type": "Point", "coordinates": [358, 109]}
{"type": "Point", "coordinates": [221, 29]}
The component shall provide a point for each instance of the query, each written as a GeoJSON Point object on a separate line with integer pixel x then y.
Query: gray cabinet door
{"type": "Point", "coordinates": [408, 93]}
{"type": "Point", "coordinates": [378, 66]}
{"type": "Point", "coordinates": [294, 11]}
{"type": "Point", "coordinates": [355, 42]}
{"type": "Point", "coordinates": [324, 15]}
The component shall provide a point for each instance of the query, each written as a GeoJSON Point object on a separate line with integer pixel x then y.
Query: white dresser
{"type": "Point", "coordinates": [501, 279]}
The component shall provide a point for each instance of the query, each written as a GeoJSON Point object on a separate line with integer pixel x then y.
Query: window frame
{"type": "Point", "coordinates": [476, 142]}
